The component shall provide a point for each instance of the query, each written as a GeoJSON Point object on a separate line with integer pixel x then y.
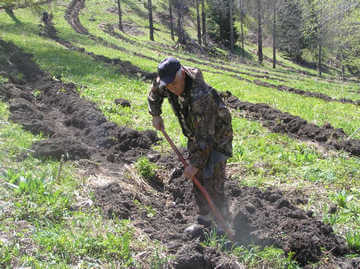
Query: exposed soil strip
{"type": "Point", "coordinates": [306, 93]}
{"type": "Point", "coordinates": [72, 16]}
{"type": "Point", "coordinates": [294, 126]}
{"type": "Point", "coordinates": [78, 130]}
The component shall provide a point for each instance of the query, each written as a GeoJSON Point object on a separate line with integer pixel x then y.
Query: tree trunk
{"type": "Point", "coordinates": [120, 15]}
{"type": "Point", "coordinates": [203, 15]}
{"type": "Point", "coordinates": [259, 15]}
{"type": "Point", "coordinates": [180, 28]}
{"type": "Point", "coordinates": [342, 66]}
{"type": "Point", "coordinates": [231, 26]}
{"type": "Point", "coordinates": [181, 37]}
{"type": "Point", "coordinates": [151, 26]}
{"type": "Point", "coordinates": [171, 20]}
{"type": "Point", "coordinates": [274, 37]}
{"type": "Point", "coordinates": [242, 27]}
{"type": "Point", "coordinates": [319, 59]}
{"type": "Point", "coordinates": [198, 21]}
{"type": "Point", "coordinates": [10, 12]}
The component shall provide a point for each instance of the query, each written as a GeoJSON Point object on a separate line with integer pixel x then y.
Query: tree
{"type": "Point", "coordinates": [171, 20]}
{"type": "Point", "coordinates": [198, 21]}
{"type": "Point", "coordinates": [219, 25]}
{"type": "Point", "coordinates": [231, 8]}
{"type": "Point", "coordinates": [274, 34]}
{"type": "Point", "coordinates": [151, 26]}
{"type": "Point", "coordinates": [180, 8]}
{"type": "Point", "coordinates": [203, 15]}
{"type": "Point", "coordinates": [259, 31]}
{"type": "Point", "coordinates": [120, 15]}
{"type": "Point", "coordinates": [290, 25]}
{"type": "Point", "coordinates": [242, 15]}
{"type": "Point", "coordinates": [273, 8]}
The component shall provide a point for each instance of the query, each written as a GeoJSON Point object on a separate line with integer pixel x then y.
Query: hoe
{"type": "Point", "coordinates": [203, 191]}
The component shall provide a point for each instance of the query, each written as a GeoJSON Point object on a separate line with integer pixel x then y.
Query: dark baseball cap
{"type": "Point", "coordinates": [167, 70]}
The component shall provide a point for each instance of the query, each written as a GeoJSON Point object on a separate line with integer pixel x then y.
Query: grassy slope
{"type": "Point", "coordinates": [260, 158]}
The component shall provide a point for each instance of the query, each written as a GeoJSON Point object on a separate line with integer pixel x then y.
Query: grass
{"type": "Point", "coordinates": [30, 192]}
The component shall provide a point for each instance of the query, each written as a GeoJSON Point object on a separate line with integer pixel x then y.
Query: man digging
{"type": "Point", "coordinates": [205, 121]}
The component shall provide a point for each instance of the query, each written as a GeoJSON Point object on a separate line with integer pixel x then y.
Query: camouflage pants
{"type": "Point", "coordinates": [214, 185]}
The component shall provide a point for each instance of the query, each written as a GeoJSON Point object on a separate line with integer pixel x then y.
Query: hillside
{"type": "Point", "coordinates": [87, 182]}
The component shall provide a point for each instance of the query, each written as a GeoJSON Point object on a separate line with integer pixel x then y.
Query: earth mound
{"type": "Point", "coordinates": [282, 122]}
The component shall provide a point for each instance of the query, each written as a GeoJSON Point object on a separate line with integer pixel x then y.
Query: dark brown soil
{"type": "Point", "coordinates": [78, 130]}
{"type": "Point", "coordinates": [281, 122]}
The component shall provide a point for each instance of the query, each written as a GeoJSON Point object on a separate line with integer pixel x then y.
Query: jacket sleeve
{"type": "Point", "coordinates": [204, 119]}
{"type": "Point", "coordinates": [155, 99]}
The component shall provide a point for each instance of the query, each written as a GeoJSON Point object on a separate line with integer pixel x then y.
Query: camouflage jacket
{"type": "Point", "coordinates": [203, 117]}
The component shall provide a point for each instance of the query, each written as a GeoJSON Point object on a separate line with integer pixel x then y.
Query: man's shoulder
{"type": "Point", "coordinates": [194, 73]}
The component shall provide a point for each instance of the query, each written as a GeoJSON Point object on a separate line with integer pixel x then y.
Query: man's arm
{"type": "Point", "coordinates": [155, 100]}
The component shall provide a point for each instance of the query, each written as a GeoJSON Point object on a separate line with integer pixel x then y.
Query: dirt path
{"type": "Point", "coordinates": [78, 130]}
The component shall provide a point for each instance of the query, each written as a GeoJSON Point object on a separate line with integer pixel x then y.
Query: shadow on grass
{"type": "Point", "coordinates": [134, 6]}
{"type": "Point", "coordinates": [60, 61]}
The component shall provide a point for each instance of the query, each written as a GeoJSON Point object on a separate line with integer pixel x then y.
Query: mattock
{"type": "Point", "coordinates": [203, 191]}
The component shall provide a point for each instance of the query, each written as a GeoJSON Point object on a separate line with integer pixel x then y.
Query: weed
{"type": "Point", "coordinates": [146, 168]}
{"type": "Point", "coordinates": [268, 257]}
{"type": "Point", "coordinates": [150, 212]}
{"type": "Point", "coordinates": [36, 93]}
{"type": "Point", "coordinates": [7, 254]}
{"type": "Point", "coordinates": [353, 240]}
{"type": "Point", "coordinates": [213, 240]}
{"type": "Point", "coordinates": [342, 198]}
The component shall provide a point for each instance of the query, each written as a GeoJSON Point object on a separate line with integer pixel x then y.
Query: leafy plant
{"type": "Point", "coordinates": [7, 254]}
{"type": "Point", "coordinates": [343, 198]}
{"type": "Point", "coordinates": [353, 240]}
{"type": "Point", "coordinates": [145, 168]}
{"type": "Point", "coordinates": [268, 257]}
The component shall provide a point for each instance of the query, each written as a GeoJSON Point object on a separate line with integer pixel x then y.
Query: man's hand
{"type": "Point", "coordinates": [158, 123]}
{"type": "Point", "coordinates": [190, 171]}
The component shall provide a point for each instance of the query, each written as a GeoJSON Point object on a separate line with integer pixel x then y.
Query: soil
{"type": "Point", "coordinates": [77, 129]}
{"type": "Point", "coordinates": [282, 122]}
{"type": "Point", "coordinates": [306, 93]}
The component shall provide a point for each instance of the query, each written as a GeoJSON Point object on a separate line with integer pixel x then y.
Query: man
{"type": "Point", "coordinates": [205, 121]}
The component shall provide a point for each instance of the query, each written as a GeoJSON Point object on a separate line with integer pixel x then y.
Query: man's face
{"type": "Point", "coordinates": [177, 86]}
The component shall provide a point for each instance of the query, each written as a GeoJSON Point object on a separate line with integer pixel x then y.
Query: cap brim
{"type": "Point", "coordinates": [162, 84]}
{"type": "Point", "coordinates": [166, 81]}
